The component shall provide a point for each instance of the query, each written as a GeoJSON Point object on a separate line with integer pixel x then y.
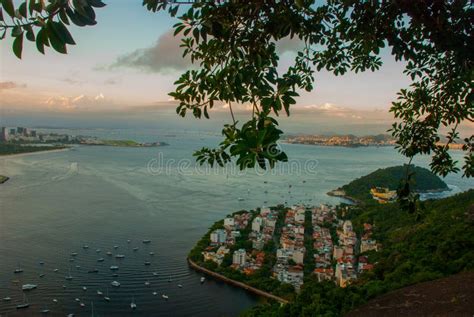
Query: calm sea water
{"type": "Point", "coordinates": [55, 203]}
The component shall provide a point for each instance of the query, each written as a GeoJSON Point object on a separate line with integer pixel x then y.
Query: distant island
{"type": "Point", "coordinates": [24, 140]}
{"type": "Point", "coordinates": [350, 140]}
{"type": "Point", "coordinates": [382, 184]}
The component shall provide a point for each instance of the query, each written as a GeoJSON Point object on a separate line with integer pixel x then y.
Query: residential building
{"type": "Point", "coordinates": [239, 257]}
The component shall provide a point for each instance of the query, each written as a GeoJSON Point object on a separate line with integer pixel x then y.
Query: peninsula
{"type": "Point", "coordinates": [24, 140]}
{"type": "Point", "coordinates": [333, 259]}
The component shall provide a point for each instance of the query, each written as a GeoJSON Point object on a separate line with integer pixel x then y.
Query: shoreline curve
{"type": "Point", "coordinates": [246, 287]}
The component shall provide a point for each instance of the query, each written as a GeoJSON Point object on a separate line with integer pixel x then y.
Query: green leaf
{"type": "Point", "coordinates": [30, 35]}
{"type": "Point", "coordinates": [31, 6]}
{"type": "Point", "coordinates": [62, 32]}
{"type": "Point", "coordinates": [63, 17]}
{"type": "Point", "coordinates": [56, 42]}
{"type": "Point", "coordinates": [16, 31]}
{"type": "Point", "coordinates": [9, 8]}
{"type": "Point", "coordinates": [22, 10]}
{"type": "Point", "coordinates": [41, 40]}
{"type": "Point", "coordinates": [18, 46]}
{"type": "Point", "coordinates": [96, 3]}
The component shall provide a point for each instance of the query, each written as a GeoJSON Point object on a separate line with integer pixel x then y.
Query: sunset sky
{"type": "Point", "coordinates": [130, 59]}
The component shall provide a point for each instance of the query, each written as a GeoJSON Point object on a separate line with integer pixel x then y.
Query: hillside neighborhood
{"type": "Point", "coordinates": [299, 240]}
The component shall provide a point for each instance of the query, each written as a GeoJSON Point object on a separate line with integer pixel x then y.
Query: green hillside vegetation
{"type": "Point", "coordinates": [422, 180]}
{"type": "Point", "coordinates": [13, 148]}
{"type": "Point", "coordinates": [440, 243]}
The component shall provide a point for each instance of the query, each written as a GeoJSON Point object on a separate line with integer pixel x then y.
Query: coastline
{"type": "Point", "coordinates": [246, 287]}
{"type": "Point", "coordinates": [341, 194]}
{"type": "Point", "coordinates": [36, 152]}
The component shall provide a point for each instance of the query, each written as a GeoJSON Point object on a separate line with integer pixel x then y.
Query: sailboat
{"type": "Point", "coordinates": [45, 310]}
{"type": "Point", "coordinates": [18, 269]}
{"type": "Point", "coordinates": [25, 303]}
{"type": "Point", "coordinates": [165, 296]}
{"type": "Point", "coordinates": [132, 304]}
{"type": "Point", "coordinates": [99, 293]}
{"type": "Point", "coordinates": [107, 298]}
{"type": "Point", "coordinates": [69, 277]}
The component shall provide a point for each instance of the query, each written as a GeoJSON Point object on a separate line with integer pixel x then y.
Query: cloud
{"type": "Point", "coordinates": [325, 107]}
{"type": "Point", "coordinates": [288, 44]}
{"type": "Point", "coordinates": [4, 85]}
{"type": "Point", "coordinates": [111, 81]}
{"type": "Point", "coordinates": [163, 57]}
{"type": "Point", "coordinates": [80, 102]}
{"type": "Point", "coordinates": [73, 81]}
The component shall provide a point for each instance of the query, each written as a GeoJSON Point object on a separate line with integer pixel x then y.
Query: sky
{"type": "Point", "coordinates": [129, 61]}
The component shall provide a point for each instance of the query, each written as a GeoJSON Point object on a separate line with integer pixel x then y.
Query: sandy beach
{"type": "Point", "coordinates": [33, 153]}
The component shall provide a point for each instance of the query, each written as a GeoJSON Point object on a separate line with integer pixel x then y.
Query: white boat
{"type": "Point", "coordinates": [45, 311]}
{"type": "Point", "coordinates": [132, 304]}
{"type": "Point", "coordinates": [41, 263]}
{"type": "Point", "coordinates": [82, 305]}
{"type": "Point", "coordinates": [152, 253]}
{"type": "Point", "coordinates": [115, 284]}
{"type": "Point", "coordinates": [74, 254]}
{"type": "Point", "coordinates": [135, 249]}
{"type": "Point", "coordinates": [77, 300]}
{"type": "Point", "coordinates": [99, 293]}
{"type": "Point", "coordinates": [180, 286]}
{"type": "Point", "coordinates": [78, 266]}
{"type": "Point", "coordinates": [97, 250]}
{"type": "Point", "coordinates": [18, 269]}
{"type": "Point", "coordinates": [147, 263]}
{"type": "Point", "coordinates": [7, 299]}
{"type": "Point", "coordinates": [114, 267]}
{"type": "Point", "coordinates": [55, 300]}
{"type": "Point", "coordinates": [119, 256]}
{"type": "Point", "coordinates": [85, 247]}
{"type": "Point", "coordinates": [240, 199]}
{"type": "Point", "coordinates": [100, 260]}
{"type": "Point", "coordinates": [42, 275]}
{"type": "Point", "coordinates": [165, 296]}
{"type": "Point", "coordinates": [147, 283]}
{"type": "Point", "coordinates": [29, 287]}
{"type": "Point", "coordinates": [203, 279]}
{"type": "Point", "coordinates": [155, 293]}
{"type": "Point", "coordinates": [106, 297]}
{"type": "Point", "coordinates": [56, 270]}
{"type": "Point", "coordinates": [24, 305]}
{"type": "Point", "coordinates": [109, 253]}
{"type": "Point", "coordinates": [115, 246]}
{"type": "Point", "coordinates": [155, 274]}
{"type": "Point", "coordinates": [128, 241]}
{"type": "Point", "coordinates": [146, 241]}
{"type": "Point", "coordinates": [71, 260]}
{"type": "Point", "coordinates": [84, 288]}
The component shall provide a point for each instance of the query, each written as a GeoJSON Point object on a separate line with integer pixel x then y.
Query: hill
{"type": "Point", "coordinates": [422, 181]}
{"type": "Point", "coordinates": [449, 296]}
{"type": "Point", "coordinates": [437, 244]}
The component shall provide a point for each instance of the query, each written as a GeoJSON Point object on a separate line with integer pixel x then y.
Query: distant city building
{"type": "Point", "coordinates": [239, 257]}
{"type": "Point", "coordinates": [229, 222]}
{"type": "Point", "coordinates": [218, 236]}
{"type": "Point", "coordinates": [4, 135]}
{"type": "Point", "coordinates": [257, 223]}
{"type": "Point", "coordinates": [12, 131]}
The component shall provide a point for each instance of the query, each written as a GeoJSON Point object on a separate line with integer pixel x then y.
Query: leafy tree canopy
{"type": "Point", "coordinates": [234, 44]}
